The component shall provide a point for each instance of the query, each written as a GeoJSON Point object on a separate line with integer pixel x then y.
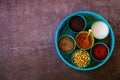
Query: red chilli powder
{"type": "Point", "coordinates": [99, 52]}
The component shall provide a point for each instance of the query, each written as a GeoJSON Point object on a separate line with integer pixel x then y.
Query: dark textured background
{"type": "Point", "coordinates": [27, 30]}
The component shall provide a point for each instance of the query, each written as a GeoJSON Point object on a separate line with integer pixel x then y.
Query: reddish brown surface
{"type": "Point", "coordinates": [27, 31]}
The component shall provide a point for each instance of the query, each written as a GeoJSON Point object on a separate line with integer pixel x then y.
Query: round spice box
{"type": "Point", "coordinates": [89, 54]}
{"type": "Point", "coordinates": [66, 44]}
{"type": "Point", "coordinates": [81, 58]}
{"type": "Point", "coordinates": [83, 42]}
{"type": "Point", "coordinates": [77, 23]}
{"type": "Point", "coordinates": [99, 51]}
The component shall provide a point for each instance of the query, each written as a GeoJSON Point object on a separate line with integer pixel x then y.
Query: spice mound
{"type": "Point", "coordinates": [76, 23]}
{"type": "Point", "coordinates": [66, 44]}
{"type": "Point", "coordinates": [83, 41]}
{"type": "Point", "coordinates": [99, 52]}
{"type": "Point", "coordinates": [81, 58]}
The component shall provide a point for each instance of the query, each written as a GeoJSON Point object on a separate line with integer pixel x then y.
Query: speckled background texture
{"type": "Point", "coordinates": [27, 31]}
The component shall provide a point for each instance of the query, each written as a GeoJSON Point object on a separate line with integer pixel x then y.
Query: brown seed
{"type": "Point", "coordinates": [66, 44]}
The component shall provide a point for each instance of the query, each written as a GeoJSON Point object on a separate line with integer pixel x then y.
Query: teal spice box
{"type": "Point", "coordinates": [65, 28]}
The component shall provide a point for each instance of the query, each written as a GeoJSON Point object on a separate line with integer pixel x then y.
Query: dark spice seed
{"type": "Point", "coordinates": [76, 23]}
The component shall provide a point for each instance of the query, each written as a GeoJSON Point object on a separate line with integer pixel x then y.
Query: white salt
{"type": "Point", "coordinates": [100, 30]}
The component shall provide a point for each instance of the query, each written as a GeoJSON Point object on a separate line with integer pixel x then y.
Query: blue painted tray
{"type": "Point", "coordinates": [91, 17]}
